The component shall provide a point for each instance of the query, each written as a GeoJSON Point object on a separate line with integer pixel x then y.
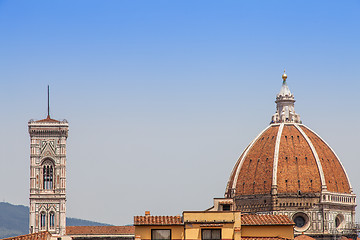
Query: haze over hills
{"type": "Point", "coordinates": [14, 220]}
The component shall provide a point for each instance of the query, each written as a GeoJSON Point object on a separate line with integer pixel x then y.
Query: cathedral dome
{"type": "Point", "coordinates": [290, 170]}
{"type": "Point", "coordinates": [287, 157]}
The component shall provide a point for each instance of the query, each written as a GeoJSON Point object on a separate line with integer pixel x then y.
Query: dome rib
{"type": "Point", "coordinates": [241, 160]}
{"type": "Point", "coordinates": [232, 176]}
{"type": "Point", "coordinates": [287, 158]}
{"type": "Point", "coordinates": [297, 168]}
{"type": "Point", "coordinates": [276, 157]}
{"type": "Point", "coordinates": [338, 159]}
{"type": "Point", "coordinates": [318, 163]}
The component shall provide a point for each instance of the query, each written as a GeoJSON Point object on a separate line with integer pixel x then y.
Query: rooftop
{"type": "Point", "coordinates": [33, 236]}
{"type": "Point", "coordinates": [100, 230]}
{"type": "Point", "coordinates": [252, 219]}
{"type": "Point", "coordinates": [157, 220]}
{"type": "Point", "coordinates": [263, 238]}
{"type": "Point", "coordinates": [304, 237]}
{"type": "Point", "coordinates": [48, 119]}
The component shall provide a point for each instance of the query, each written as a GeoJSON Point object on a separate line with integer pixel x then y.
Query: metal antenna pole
{"type": "Point", "coordinates": [48, 103]}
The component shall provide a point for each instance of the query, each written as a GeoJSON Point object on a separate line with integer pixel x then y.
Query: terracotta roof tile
{"type": "Point", "coordinates": [335, 176]}
{"type": "Point", "coordinates": [48, 119]}
{"type": "Point", "coordinates": [264, 238]}
{"type": "Point", "coordinates": [255, 175]}
{"type": "Point", "coordinates": [304, 237]}
{"type": "Point", "coordinates": [297, 168]}
{"type": "Point", "coordinates": [157, 220]}
{"type": "Point", "coordinates": [33, 236]}
{"type": "Point", "coordinates": [252, 219]}
{"type": "Point", "coordinates": [100, 230]}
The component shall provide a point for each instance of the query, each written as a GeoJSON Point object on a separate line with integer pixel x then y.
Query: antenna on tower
{"type": "Point", "coordinates": [48, 102]}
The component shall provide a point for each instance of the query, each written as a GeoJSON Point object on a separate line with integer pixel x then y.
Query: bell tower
{"type": "Point", "coordinates": [48, 175]}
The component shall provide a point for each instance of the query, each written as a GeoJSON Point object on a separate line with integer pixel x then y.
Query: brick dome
{"type": "Point", "coordinates": [288, 158]}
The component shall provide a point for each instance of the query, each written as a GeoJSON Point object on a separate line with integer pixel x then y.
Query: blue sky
{"type": "Point", "coordinates": [156, 89]}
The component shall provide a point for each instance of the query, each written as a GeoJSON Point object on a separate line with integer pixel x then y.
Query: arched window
{"type": "Point", "coordinates": [48, 175]}
{"type": "Point", "coordinates": [339, 220]}
{"type": "Point", "coordinates": [52, 220]}
{"type": "Point", "coordinates": [43, 220]}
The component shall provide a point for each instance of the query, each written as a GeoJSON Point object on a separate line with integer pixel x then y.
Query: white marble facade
{"type": "Point", "coordinates": [48, 175]}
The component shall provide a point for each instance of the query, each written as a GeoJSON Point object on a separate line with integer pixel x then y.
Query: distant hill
{"type": "Point", "coordinates": [14, 220]}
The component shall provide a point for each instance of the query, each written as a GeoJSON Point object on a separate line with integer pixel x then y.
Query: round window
{"type": "Point", "coordinates": [302, 221]}
{"type": "Point", "coordinates": [299, 221]}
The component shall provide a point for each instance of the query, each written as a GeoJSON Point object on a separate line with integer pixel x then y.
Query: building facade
{"type": "Point", "coordinates": [48, 175]}
{"type": "Point", "coordinates": [213, 225]}
{"type": "Point", "coordinates": [289, 169]}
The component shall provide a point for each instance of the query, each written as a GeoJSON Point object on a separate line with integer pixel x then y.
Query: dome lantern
{"type": "Point", "coordinates": [285, 110]}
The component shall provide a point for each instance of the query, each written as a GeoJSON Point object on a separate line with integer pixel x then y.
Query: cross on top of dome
{"type": "Point", "coordinates": [285, 111]}
{"type": "Point", "coordinates": [284, 76]}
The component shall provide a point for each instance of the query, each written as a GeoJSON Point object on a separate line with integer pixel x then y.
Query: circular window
{"type": "Point", "coordinates": [302, 221]}
{"type": "Point", "coordinates": [299, 221]}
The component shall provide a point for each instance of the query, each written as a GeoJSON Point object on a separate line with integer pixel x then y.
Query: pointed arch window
{"type": "Point", "coordinates": [52, 220]}
{"type": "Point", "coordinates": [48, 175]}
{"type": "Point", "coordinates": [43, 220]}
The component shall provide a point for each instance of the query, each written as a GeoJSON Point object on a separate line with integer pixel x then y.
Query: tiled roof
{"type": "Point", "coordinates": [33, 236]}
{"type": "Point", "coordinates": [157, 220]}
{"type": "Point", "coordinates": [256, 180]}
{"type": "Point", "coordinates": [263, 238]}
{"type": "Point", "coordinates": [252, 219]}
{"type": "Point", "coordinates": [303, 165]}
{"type": "Point", "coordinates": [300, 153]}
{"type": "Point", "coordinates": [48, 119]}
{"type": "Point", "coordinates": [335, 176]}
{"type": "Point", "coordinates": [304, 237]}
{"type": "Point", "coordinates": [226, 202]}
{"type": "Point", "coordinates": [100, 230]}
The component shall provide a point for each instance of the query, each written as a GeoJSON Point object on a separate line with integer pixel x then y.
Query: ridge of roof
{"type": "Point", "coordinates": [45, 235]}
{"type": "Point", "coordinates": [99, 230]}
{"type": "Point", "coordinates": [48, 119]}
{"type": "Point", "coordinates": [158, 220]}
{"type": "Point", "coordinates": [262, 219]}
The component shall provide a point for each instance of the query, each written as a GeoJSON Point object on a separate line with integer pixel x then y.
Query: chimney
{"type": "Point", "coordinates": [147, 213]}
